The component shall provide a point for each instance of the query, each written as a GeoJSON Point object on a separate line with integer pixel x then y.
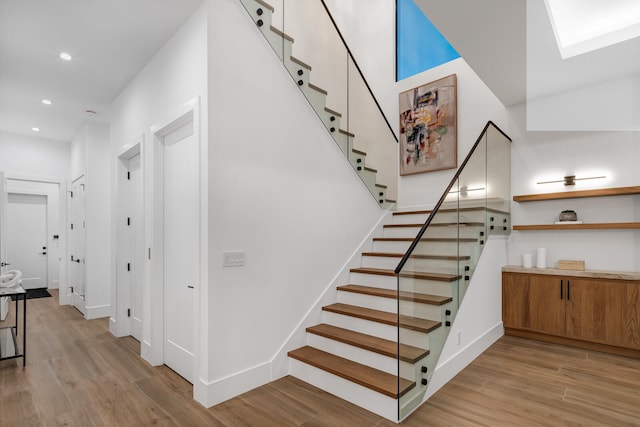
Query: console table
{"type": "Point", "coordinates": [9, 348]}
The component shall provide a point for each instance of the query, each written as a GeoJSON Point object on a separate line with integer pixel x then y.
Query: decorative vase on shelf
{"type": "Point", "coordinates": [568, 215]}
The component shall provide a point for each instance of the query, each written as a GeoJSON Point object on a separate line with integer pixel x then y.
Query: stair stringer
{"type": "Point", "coordinates": [479, 319]}
{"type": "Point", "coordinates": [280, 362]}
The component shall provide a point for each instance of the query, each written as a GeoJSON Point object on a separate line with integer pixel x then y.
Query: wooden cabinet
{"type": "Point", "coordinates": [604, 313]}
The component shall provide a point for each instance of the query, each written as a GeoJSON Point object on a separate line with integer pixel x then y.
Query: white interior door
{"type": "Point", "coordinates": [77, 244]}
{"type": "Point", "coordinates": [136, 230]}
{"type": "Point", "coordinates": [181, 207]}
{"type": "Point", "coordinates": [26, 242]}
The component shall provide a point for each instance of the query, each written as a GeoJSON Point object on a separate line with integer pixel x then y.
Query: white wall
{"type": "Point", "coordinates": [34, 157]}
{"type": "Point", "coordinates": [279, 190]}
{"type": "Point", "coordinates": [176, 75]}
{"type": "Point", "coordinates": [90, 158]}
{"type": "Point", "coordinates": [544, 156]}
{"type": "Point", "coordinates": [39, 165]}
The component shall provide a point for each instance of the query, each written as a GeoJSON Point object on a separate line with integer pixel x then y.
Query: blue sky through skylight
{"type": "Point", "coordinates": [420, 45]}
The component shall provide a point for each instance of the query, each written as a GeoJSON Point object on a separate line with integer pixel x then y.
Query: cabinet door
{"type": "Point", "coordinates": [605, 311]}
{"type": "Point", "coordinates": [515, 300]}
{"type": "Point", "coordinates": [547, 304]}
{"type": "Point", "coordinates": [533, 302]}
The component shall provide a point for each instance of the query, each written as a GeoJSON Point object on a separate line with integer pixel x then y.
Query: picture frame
{"type": "Point", "coordinates": [428, 127]}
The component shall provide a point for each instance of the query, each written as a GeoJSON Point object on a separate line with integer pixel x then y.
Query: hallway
{"type": "Point", "coordinates": [78, 374]}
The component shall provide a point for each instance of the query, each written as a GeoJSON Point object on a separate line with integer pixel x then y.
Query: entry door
{"type": "Point", "coordinates": [136, 230]}
{"type": "Point", "coordinates": [77, 244]}
{"type": "Point", "coordinates": [27, 238]}
{"type": "Point", "coordinates": [181, 246]}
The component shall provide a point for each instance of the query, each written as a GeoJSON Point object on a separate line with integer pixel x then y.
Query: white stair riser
{"type": "Point", "coordinates": [362, 356]}
{"type": "Point", "coordinates": [423, 311]}
{"type": "Point", "coordinates": [387, 282]}
{"type": "Point", "coordinates": [390, 263]}
{"type": "Point", "coordinates": [444, 289]}
{"type": "Point", "coordinates": [435, 231]}
{"type": "Point", "coordinates": [380, 330]}
{"type": "Point", "coordinates": [368, 399]}
{"type": "Point", "coordinates": [424, 248]}
{"type": "Point", "coordinates": [316, 99]}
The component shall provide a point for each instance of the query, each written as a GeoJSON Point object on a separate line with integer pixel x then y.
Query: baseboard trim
{"type": "Point", "coordinates": [98, 311]}
{"type": "Point", "coordinates": [113, 326]}
{"type": "Point", "coordinates": [211, 393]}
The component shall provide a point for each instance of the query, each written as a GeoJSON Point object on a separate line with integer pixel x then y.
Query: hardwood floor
{"type": "Point", "coordinates": [77, 374]}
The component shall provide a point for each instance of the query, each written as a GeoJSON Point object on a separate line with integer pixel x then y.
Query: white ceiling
{"type": "Point", "coordinates": [491, 35]}
{"type": "Point", "coordinates": [110, 41]}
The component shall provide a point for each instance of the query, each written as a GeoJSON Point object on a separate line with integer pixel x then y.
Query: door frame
{"type": "Point", "coordinates": [120, 322]}
{"type": "Point", "coordinates": [152, 347]}
{"type": "Point", "coordinates": [53, 227]}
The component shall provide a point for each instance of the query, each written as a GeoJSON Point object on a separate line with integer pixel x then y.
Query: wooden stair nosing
{"type": "Point", "coordinates": [358, 373]}
{"type": "Point", "coordinates": [344, 132]}
{"type": "Point", "coordinates": [441, 277]}
{"type": "Point", "coordinates": [362, 153]}
{"type": "Point", "coordinates": [393, 294]}
{"type": "Point", "coordinates": [435, 224]}
{"type": "Point", "coordinates": [430, 239]}
{"type": "Point", "coordinates": [266, 5]}
{"type": "Point", "coordinates": [300, 63]}
{"type": "Point", "coordinates": [418, 256]}
{"type": "Point", "coordinates": [390, 201]}
{"type": "Point", "coordinates": [330, 111]}
{"type": "Point", "coordinates": [384, 317]}
{"type": "Point", "coordinates": [448, 210]}
{"type": "Point", "coordinates": [380, 185]}
{"type": "Point", "coordinates": [408, 353]}
{"type": "Point", "coordinates": [281, 34]}
{"type": "Point", "coordinates": [367, 168]}
{"type": "Point", "coordinates": [317, 89]}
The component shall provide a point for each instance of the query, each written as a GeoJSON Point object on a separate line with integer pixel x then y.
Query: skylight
{"type": "Point", "coordinates": [581, 26]}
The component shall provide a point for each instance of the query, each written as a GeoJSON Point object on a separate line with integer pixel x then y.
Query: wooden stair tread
{"type": "Point", "coordinates": [442, 277]}
{"type": "Point", "coordinates": [418, 256]}
{"type": "Point", "coordinates": [266, 5]}
{"type": "Point", "coordinates": [387, 348]}
{"type": "Point", "coordinates": [429, 239]}
{"type": "Point", "coordinates": [393, 293]}
{"type": "Point", "coordinates": [330, 111]}
{"type": "Point", "coordinates": [469, 209]}
{"type": "Point", "coordinates": [342, 131]}
{"type": "Point", "coordinates": [281, 34]}
{"type": "Point", "coordinates": [436, 224]}
{"type": "Point", "coordinates": [366, 376]}
{"type": "Point", "coordinates": [300, 63]}
{"type": "Point", "coordinates": [385, 317]}
{"type": "Point", "coordinates": [317, 88]}
{"type": "Point", "coordinates": [362, 153]}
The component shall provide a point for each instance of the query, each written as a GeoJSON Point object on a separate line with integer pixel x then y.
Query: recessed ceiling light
{"type": "Point", "coordinates": [35, 129]}
{"type": "Point", "coordinates": [65, 56]}
{"type": "Point", "coordinates": [46, 102]}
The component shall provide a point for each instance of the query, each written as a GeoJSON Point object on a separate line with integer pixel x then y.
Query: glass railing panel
{"type": "Point", "coordinates": [475, 205]}
{"type": "Point", "coordinates": [373, 137]}
{"type": "Point", "coordinates": [472, 199]}
{"type": "Point", "coordinates": [304, 37]}
{"type": "Point", "coordinates": [498, 182]}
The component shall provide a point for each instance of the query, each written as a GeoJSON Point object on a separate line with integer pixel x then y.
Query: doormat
{"type": "Point", "coordinates": [34, 293]}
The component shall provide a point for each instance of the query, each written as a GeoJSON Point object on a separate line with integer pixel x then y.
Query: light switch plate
{"type": "Point", "coordinates": [233, 259]}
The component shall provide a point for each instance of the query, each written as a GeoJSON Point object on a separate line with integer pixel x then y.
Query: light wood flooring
{"type": "Point", "coordinates": [77, 374]}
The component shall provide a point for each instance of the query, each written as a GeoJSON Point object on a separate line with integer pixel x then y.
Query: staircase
{"type": "Point", "coordinates": [355, 353]}
{"type": "Point", "coordinates": [263, 15]}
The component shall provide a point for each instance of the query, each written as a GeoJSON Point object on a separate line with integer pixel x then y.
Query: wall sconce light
{"type": "Point", "coordinates": [570, 180]}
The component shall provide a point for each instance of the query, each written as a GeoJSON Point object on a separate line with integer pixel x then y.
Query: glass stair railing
{"type": "Point", "coordinates": [322, 66]}
{"type": "Point", "coordinates": [474, 207]}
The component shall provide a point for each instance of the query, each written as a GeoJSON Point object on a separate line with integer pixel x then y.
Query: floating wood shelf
{"type": "Point", "coordinates": [593, 226]}
{"type": "Point", "coordinates": [619, 191]}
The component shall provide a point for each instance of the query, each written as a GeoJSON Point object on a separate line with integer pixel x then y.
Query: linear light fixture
{"type": "Point", "coordinates": [570, 180]}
